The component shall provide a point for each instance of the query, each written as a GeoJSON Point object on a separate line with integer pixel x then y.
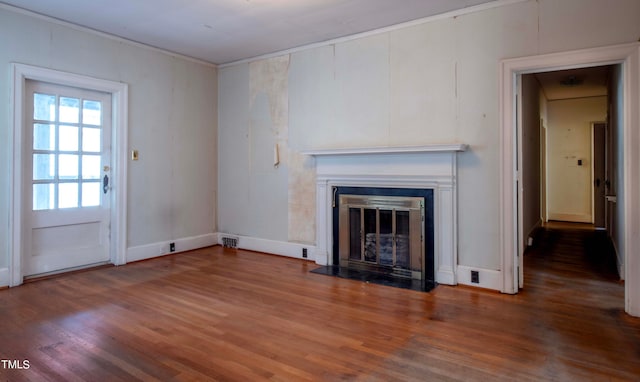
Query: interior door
{"type": "Point", "coordinates": [68, 163]}
{"type": "Point", "coordinates": [599, 154]}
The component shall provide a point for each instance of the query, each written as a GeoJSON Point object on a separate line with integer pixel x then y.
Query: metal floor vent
{"type": "Point", "coordinates": [230, 242]}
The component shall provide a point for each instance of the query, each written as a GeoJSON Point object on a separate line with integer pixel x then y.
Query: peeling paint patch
{"type": "Point", "coordinates": [269, 84]}
{"type": "Point", "coordinates": [268, 127]}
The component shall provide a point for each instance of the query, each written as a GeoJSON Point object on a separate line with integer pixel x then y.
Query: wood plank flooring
{"type": "Point", "coordinates": [219, 314]}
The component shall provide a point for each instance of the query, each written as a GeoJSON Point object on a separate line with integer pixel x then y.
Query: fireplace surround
{"type": "Point", "coordinates": [430, 168]}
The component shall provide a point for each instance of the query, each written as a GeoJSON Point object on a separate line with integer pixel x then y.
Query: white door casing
{"type": "Point", "coordinates": [19, 215]}
{"type": "Point", "coordinates": [510, 220]}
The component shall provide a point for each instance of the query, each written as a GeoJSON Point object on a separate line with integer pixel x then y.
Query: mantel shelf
{"type": "Point", "coordinates": [388, 150]}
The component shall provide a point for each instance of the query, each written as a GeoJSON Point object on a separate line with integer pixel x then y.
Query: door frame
{"type": "Point", "coordinates": [20, 73]}
{"type": "Point", "coordinates": [510, 135]}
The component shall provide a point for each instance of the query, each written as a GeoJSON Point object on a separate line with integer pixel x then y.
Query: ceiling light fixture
{"type": "Point", "coordinates": [572, 81]}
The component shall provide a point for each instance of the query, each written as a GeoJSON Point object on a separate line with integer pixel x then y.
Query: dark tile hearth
{"type": "Point", "coordinates": [374, 277]}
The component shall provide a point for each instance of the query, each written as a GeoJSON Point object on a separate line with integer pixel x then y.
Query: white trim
{"type": "Point", "coordinates": [395, 27]}
{"type": "Point", "coordinates": [510, 69]}
{"type": "Point", "coordinates": [95, 32]}
{"type": "Point", "coordinates": [20, 74]}
{"type": "Point", "coordinates": [280, 248]}
{"type": "Point", "coordinates": [489, 278]}
{"type": "Point", "coordinates": [149, 251]}
{"type": "Point", "coordinates": [4, 277]}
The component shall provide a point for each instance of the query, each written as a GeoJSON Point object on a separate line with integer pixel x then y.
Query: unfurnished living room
{"type": "Point", "coordinates": [233, 190]}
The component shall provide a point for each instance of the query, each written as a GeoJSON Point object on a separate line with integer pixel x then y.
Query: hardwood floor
{"type": "Point", "coordinates": [219, 314]}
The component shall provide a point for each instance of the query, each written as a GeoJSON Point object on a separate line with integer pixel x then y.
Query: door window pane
{"type": "Point", "coordinates": [67, 195]}
{"type": "Point", "coordinates": [44, 166]}
{"type": "Point", "coordinates": [91, 139]}
{"type": "Point", "coordinates": [68, 138]}
{"type": "Point", "coordinates": [68, 164]}
{"type": "Point", "coordinates": [44, 107]}
{"type": "Point", "coordinates": [43, 196]}
{"type": "Point", "coordinates": [90, 194]}
{"type": "Point", "coordinates": [90, 167]}
{"type": "Point", "coordinates": [69, 110]}
{"type": "Point", "coordinates": [44, 137]}
{"type": "Point", "coordinates": [91, 112]}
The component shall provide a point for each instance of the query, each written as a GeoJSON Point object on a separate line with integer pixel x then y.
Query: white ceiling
{"type": "Point", "coordinates": [223, 31]}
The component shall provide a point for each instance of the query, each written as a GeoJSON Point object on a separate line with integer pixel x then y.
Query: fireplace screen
{"type": "Point", "coordinates": [382, 233]}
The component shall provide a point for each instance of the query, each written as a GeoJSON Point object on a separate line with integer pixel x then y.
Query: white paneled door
{"type": "Point", "coordinates": [67, 170]}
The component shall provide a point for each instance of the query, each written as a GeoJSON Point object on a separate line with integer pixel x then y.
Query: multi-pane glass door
{"type": "Point", "coordinates": [67, 187]}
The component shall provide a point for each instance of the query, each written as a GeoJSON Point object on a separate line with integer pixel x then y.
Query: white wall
{"type": "Point", "coordinates": [435, 82]}
{"type": "Point", "coordinates": [172, 122]}
{"type": "Point", "coordinates": [568, 141]}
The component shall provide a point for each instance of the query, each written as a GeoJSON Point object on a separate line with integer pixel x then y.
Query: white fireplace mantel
{"type": "Point", "coordinates": [388, 150]}
{"type": "Point", "coordinates": [422, 167]}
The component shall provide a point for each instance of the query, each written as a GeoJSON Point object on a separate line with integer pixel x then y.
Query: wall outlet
{"type": "Point", "coordinates": [172, 247]}
{"type": "Point", "coordinates": [475, 277]}
{"type": "Point", "coordinates": [304, 253]}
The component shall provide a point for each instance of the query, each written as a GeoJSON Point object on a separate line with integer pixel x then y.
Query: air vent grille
{"type": "Point", "coordinates": [230, 242]}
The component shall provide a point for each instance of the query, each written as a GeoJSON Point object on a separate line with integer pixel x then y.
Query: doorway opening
{"type": "Point", "coordinates": [623, 113]}
{"type": "Point", "coordinates": [565, 126]}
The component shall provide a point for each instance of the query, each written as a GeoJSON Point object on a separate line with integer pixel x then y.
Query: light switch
{"type": "Point", "coordinates": [134, 154]}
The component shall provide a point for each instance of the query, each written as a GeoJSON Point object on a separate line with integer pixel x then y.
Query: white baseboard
{"type": "Point", "coordinates": [489, 279]}
{"type": "Point", "coordinates": [281, 248]}
{"type": "Point", "coordinates": [148, 251]}
{"type": "Point", "coordinates": [575, 218]}
{"type": "Point", "coordinates": [4, 277]}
